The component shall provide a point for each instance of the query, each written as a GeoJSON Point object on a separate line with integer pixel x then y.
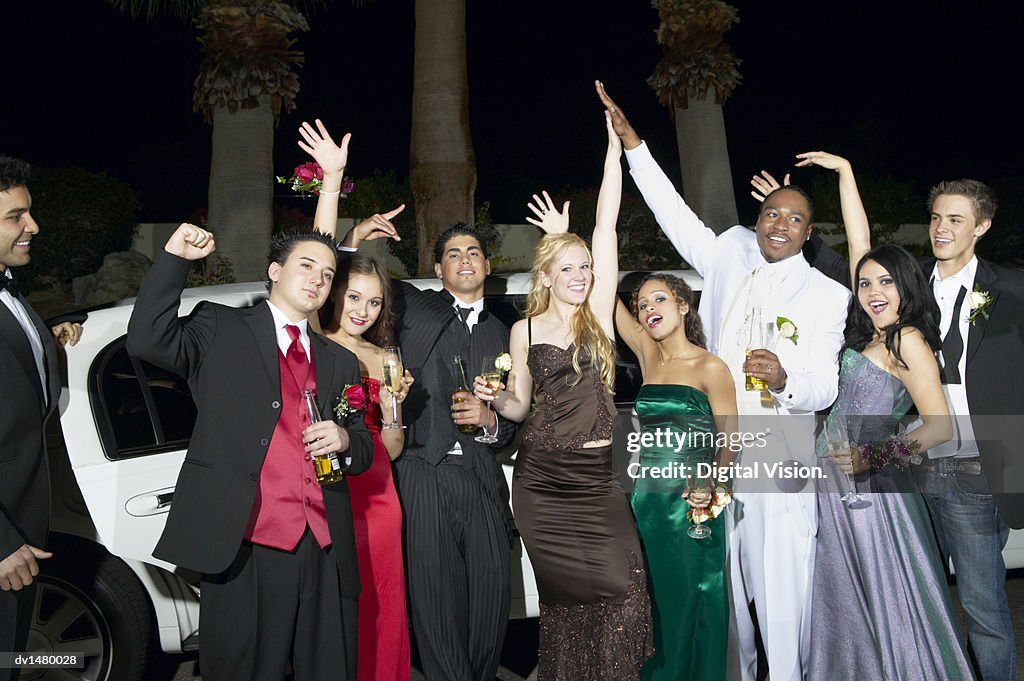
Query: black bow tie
{"type": "Point", "coordinates": [8, 284]}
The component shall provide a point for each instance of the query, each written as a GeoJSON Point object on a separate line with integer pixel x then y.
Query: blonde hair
{"type": "Point", "coordinates": [586, 331]}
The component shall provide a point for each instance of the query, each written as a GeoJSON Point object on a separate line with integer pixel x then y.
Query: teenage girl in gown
{"type": "Point", "coordinates": [569, 506]}
{"type": "Point", "coordinates": [881, 607]}
{"type": "Point", "coordinates": [689, 393]}
{"type": "Point", "coordinates": [360, 320]}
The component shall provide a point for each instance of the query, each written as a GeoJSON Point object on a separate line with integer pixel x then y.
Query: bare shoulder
{"type": "Point", "coordinates": [713, 367]}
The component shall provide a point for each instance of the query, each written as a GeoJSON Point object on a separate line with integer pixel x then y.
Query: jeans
{"type": "Point", "coordinates": [971, 533]}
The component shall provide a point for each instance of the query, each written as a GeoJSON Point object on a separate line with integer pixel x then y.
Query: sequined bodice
{"type": "Point", "coordinates": [371, 416]}
{"type": "Point", "coordinates": [567, 415]}
{"type": "Point", "coordinates": [871, 400]}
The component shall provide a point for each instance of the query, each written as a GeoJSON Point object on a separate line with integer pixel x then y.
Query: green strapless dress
{"type": "Point", "coordinates": [686, 577]}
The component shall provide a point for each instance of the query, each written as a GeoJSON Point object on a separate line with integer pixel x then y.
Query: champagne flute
{"type": "Point", "coordinates": [393, 369]}
{"type": "Point", "coordinates": [699, 484]}
{"type": "Point", "coordinates": [490, 373]}
{"type": "Point", "coordinates": [838, 439]}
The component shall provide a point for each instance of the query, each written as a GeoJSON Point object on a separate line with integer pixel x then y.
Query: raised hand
{"type": "Point", "coordinates": [377, 226]}
{"type": "Point", "coordinates": [823, 159]}
{"type": "Point", "coordinates": [550, 220]}
{"type": "Point", "coordinates": [191, 242]}
{"type": "Point", "coordinates": [625, 131]}
{"type": "Point", "coordinates": [764, 184]}
{"type": "Point", "coordinates": [324, 150]}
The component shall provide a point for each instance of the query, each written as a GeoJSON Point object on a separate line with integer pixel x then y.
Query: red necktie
{"type": "Point", "coordinates": [296, 357]}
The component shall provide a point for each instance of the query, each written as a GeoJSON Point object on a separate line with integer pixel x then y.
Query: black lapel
{"type": "Point", "coordinates": [985, 280]}
{"type": "Point", "coordinates": [324, 366]}
{"type": "Point", "coordinates": [50, 358]}
{"type": "Point", "coordinates": [261, 324]}
{"type": "Point", "coordinates": [12, 333]}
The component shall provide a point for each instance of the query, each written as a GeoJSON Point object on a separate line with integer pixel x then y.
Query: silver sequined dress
{"type": "Point", "coordinates": [881, 608]}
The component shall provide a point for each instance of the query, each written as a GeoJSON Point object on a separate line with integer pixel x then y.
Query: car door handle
{"type": "Point", "coordinates": [154, 502]}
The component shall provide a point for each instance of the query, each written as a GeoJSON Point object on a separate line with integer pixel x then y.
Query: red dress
{"type": "Point", "coordinates": [377, 518]}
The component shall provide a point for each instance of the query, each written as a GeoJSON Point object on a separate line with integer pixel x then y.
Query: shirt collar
{"type": "Point", "coordinates": [965, 277]}
{"type": "Point", "coordinates": [476, 306]}
{"type": "Point", "coordinates": [281, 320]}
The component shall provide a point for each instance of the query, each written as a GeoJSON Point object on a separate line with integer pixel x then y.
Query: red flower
{"type": "Point", "coordinates": [355, 396]}
{"type": "Point", "coordinates": [309, 171]}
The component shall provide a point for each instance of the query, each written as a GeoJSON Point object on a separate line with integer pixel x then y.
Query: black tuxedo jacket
{"type": "Point", "coordinates": [24, 473]}
{"type": "Point", "coordinates": [430, 333]}
{"type": "Point", "coordinates": [995, 385]}
{"type": "Point", "coordinates": [230, 358]}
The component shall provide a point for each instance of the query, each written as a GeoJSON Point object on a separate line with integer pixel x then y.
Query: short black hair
{"type": "Point", "coordinates": [458, 229]}
{"type": "Point", "coordinates": [13, 173]}
{"type": "Point", "coordinates": [799, 190]}
{"type": "Point", "coordinates": [283, 243]}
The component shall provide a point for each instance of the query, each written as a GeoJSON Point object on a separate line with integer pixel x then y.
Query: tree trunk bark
{"type": "Point", "coordinates": [442, 165]}
{"type": "Point", "coordinates": [704, 161]}
{"type": "Point", "coordinates": [240, 210]}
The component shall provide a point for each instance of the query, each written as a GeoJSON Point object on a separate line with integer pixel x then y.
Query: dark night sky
{"type": "Point", "coordinates": [908, 89]}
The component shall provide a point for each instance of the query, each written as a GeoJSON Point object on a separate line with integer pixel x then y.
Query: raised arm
{"type": "Point", "coordinates": [333, 158]}
{"type": "Point", "coordinates": [855, 220]}
{"type": "Point", "coordinates": [605, 243]}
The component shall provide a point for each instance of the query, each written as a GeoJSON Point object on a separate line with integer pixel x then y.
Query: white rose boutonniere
{"type": "Point", "coordinates": [787, 329]}
{"type": "Point", "coordinates": [979, 302]}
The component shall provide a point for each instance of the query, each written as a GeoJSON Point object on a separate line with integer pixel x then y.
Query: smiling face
{"type": "Point", "coordinates": [463, 268]}
{"type": "Point", "coordinates": [16, 227]}
{"type": "Point", "coordinates": [954, 230]}
{"type": "Point", "coordinates": [783, 225]}
{"type": "Point", "coordinates": [300, 285]}
{"type": "Point", "coordinates": [570, 277]}
{"type": "Point", "coordinates": [878, 295]}
{"type": "Point", "coordinates": [660, 312]}
{"type": "Point", "coordinates": [360, 304]}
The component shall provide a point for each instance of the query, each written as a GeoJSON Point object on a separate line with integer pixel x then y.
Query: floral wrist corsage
{"type": "Point", "coordinates": [721, 496]}
{"type": "Point", "coordinates": [896, 452]}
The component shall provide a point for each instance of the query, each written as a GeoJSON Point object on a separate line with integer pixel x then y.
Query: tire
{"type": "Point", "coordinates": [90, 601]}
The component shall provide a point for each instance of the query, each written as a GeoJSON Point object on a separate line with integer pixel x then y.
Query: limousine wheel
{"type": "Point", "coordinates": [88, 601]}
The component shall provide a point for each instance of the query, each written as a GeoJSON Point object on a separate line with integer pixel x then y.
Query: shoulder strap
{"type": "Point", "coordinates": [529, 331]}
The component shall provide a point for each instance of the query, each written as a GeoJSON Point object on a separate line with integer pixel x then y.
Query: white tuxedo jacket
{"type": "Point", "coordinates": [816, 304]}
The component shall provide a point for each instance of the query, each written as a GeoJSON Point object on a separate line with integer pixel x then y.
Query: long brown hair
{"type": "Point", "coordinates": [586, 331]}
{"type": "Point", "coordinates": [382, 331]}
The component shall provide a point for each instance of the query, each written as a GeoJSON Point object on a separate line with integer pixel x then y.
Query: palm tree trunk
{"type": "Point", "coordinates": [442, 165]}
{"type": "Point", "coordinates": [241, 194]}
{"type": "Point", "coordinates": [704, 161]}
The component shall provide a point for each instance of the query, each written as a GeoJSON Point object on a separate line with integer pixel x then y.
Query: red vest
{"type": "Point", "coordinates": [288, 497]}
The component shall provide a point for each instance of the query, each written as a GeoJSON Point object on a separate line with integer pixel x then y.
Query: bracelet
{"type": "Point", "coordinates": [323, 193]}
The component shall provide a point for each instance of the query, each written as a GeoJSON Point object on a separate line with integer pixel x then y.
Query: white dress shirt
{"type": "Point", "coordinates": [962, 444]}
{"type": "Point", "coordinates": [19, 312]}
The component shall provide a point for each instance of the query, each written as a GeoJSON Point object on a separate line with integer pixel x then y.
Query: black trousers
{"type": "Point", "coordinates": [271, 607]}
{"type": "Point", "coordinates": [457, 568]}
{"type": "Point", "coordinates": [15, 618]}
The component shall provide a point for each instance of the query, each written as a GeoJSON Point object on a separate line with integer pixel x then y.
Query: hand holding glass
{"type": "Point", "coordinates": [697, 484]}
{"type": "Point", "coordinates": [490, 373]}
{"type": "Point", "coordinates": [391, 363]}
{"type": "Point", "coordinates": [839, 440]}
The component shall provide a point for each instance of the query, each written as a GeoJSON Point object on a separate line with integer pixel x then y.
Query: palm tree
{"type": "Point", "coordinates": [246, 77]}
{"type": "Point", "coordinates": [442, 164]}
{"type": "Point", "coordinates": [694, 78]}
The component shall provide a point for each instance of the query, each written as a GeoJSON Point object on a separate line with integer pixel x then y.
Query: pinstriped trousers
{"type": "Point", "coordinates": [457, 566]}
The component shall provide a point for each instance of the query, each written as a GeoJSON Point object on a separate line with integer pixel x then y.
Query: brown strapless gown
{"type": "Point", "coordinates": [577, 525]}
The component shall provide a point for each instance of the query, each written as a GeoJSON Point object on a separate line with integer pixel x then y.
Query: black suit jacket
{"type": "Point", "coordinates": [230, 358]}
{"type": "Point", "coordinates": [430, 333]}
{"type": "Point", "coordinates": [24, 473]}
{"type": "Point", "coordinates": [995, 385]}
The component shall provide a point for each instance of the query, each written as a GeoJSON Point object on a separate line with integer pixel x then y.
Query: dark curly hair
{"type": "Point", "coordinates": [917, 310]}
{"type": "Point", "coordinates": [382, 331]}
{"type": "Point", "coordinates": [13, 173]}
{"type": "Point", "coordinates": [692, 326]}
